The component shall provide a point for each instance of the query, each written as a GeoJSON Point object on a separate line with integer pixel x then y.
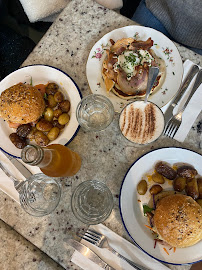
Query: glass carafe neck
{"type": "Point", "coordinates": [35, 155]}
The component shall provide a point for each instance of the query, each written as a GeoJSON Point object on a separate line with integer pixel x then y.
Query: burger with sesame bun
{"type": "Point", "coordinates": [21, 104]}
{"type": "Point", "coordinates": [177, 220]}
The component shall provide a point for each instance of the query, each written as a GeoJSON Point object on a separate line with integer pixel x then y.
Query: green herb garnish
{"type": "Point", "coordinates": [147, 209]}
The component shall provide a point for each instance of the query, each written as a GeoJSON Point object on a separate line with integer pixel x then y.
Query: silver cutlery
{"type": "Point", "coordinates": [21, 168]}
{"type": "Point", "coordinates": [101, 241]}
{"type": "Point", "coordinates": [19, 186]}
{"type": "Point", "coordinates": [175, 122]}
{"type": "Point", "coordinates": [169, 112]}
{"type": "Point", "coordinates": [153, 73]}
{"type": "Point", "coordinates": [88, 253]}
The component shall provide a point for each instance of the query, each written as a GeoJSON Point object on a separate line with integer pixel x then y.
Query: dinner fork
{"type": "Point", "coordinates": [19, 186]}
{"type": "Point", "coordinates": [101, 241]}
{"type": "Point", "coordinates": [175, 122]}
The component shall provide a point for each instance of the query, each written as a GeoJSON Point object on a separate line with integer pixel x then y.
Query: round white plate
{"type": "Point", "coordinates": [163, 47]}
{"type": "Point", "coordinates": [132, 211]}
{"type": "Point", "coordinates": [42, 74]}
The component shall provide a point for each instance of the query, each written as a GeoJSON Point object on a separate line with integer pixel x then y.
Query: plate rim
{"type": "Point", "coordinates": [79, 91]}
{"type": "Point", "coordinates": [129, 26]}
{"type": "Point", "coordinates": [166, 147]}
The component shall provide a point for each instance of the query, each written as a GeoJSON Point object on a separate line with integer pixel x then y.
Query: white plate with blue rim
{"type": "Point", "coordinates": [131, 205]}
{"type": "Point", "coordinates": [163, 47]}
{"type": "Point", "coordinates": [42, 74]}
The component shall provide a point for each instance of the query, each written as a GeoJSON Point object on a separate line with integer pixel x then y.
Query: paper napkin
{"type": "Point", "coordinates": [193, 108]}
{"type": "Point", "coordinates": [119, 244]}
{"type": "Point", "coordinates": [6, 184]}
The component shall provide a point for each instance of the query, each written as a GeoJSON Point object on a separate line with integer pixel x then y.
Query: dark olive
{"type": "Point", "coordinates": [18, 141]}
{"type": "Point", "coordinates": [165, 170]}
{"type": "Point", "coordinates": [24, 130]}
{"type": "Point", "coordinates": [51, 88]}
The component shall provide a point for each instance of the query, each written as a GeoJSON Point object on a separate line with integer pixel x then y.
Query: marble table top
{"type": "Point", "coordinates": [106, 155]}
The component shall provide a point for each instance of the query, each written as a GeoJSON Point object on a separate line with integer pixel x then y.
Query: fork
{"type": "Point", "coordinates": [101, 241]}
{"type": "Point", "coordinates": [175, 122]}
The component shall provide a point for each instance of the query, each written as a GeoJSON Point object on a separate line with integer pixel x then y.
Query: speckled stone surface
{"type": "Point", "coordinates": [18, 253]}
{"type": "Point", "coordinates": [106, 155]}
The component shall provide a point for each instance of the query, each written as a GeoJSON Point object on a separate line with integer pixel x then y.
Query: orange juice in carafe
{"type": "Point", "coordinates": [53, 160]}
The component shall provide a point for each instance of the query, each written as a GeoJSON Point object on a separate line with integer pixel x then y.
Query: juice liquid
{"type": "Point", "coordinates": [64, 161]}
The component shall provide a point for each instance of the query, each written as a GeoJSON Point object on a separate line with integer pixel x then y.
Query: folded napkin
{"type": "Point", "coordinates": [6, 184]}
{"type": "Point", "coordinates": [48, 10]}
{"type": "Point", "coordinates": [193, 108]}
{"type": "Point", "coordinates": [119, 244]}
{"type": "Point", "coordinates": [38, 10]}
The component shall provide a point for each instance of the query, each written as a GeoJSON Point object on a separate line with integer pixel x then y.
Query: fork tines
{"type": "Point", "coordinates": [170, 130]}
{"type": "Point", "coordinates": [90, 236]}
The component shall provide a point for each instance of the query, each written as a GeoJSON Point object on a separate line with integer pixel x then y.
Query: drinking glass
{"type": "Point", "coordinates": [92, 202]}
{"type": "Point", "coordinates": [95, 112]}
{"type": "Point", "coordinates": [39, 195]}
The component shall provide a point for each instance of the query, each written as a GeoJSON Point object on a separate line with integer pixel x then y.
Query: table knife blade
{"type": "Point", "coordinates": [21, 168]}
{"type": "Point", "coordinates": [169, 112]}
{"type": "Point", "coordinates": [88, 253]}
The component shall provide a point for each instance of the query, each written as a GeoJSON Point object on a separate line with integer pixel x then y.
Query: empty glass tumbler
{"type": "Point", "coordinates": [39, 195]}
{"type": "Point", "coordinates": [92, 202]}
{"type": "Point", "coordinates": [95, 112]}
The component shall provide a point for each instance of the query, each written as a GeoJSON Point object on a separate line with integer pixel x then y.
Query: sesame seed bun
{"type": "Point", "coordinates": [21, 104]}
{"type": "Point", "coordinates": [178, 220]}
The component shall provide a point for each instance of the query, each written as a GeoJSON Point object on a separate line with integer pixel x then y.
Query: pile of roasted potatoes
{"type": "Point", "coordinates": [49, 126]}
{"type": "Point", "coordinates": [185, 179]}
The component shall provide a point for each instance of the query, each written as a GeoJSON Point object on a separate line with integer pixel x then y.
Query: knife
{"type": "Point", "coordinates": [169, 112]}
{"type": "Point", "coordinates": [197, 83]}
{"type": "Point", "coordinates": [21, 168]}
{"type": "Point", "coordinates": [88, 253]}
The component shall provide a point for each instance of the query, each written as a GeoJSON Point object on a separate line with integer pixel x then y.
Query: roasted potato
{"type": "Point", "coordinates": [51, 88]}
{"type": "Point", "coordinates": [179, 184]}
{"type": "Point", "coordinates": [192, 188]}
{"type": "Point", "coordinates": [44, 125]}
{"type": "Point", "coordinates": [58, 96]}
{"type": "Point", "coordinates": [41, 138]}
{"type": "Point", "coordinates": [48, 114]}
{"type": "Point", "coordinates": [142, 187]}
{"type": "Point", "coordinates": [51, 101]}
{"type": "Point", "coordinates": [199, 182]}
{"type": "Point", "coordinates": [57, 113]}
{"type": "Point", "coordinates": [187, 171]}
{"type": "Point", "coordinates": [165, 170]}
{"type": "Point", "coordinates": [53, 133]}
{"type": "Point", "coordinates": [155, 189]}
{"type": "Point", "coordinates": [158, 178]}
{"type": "Point", "coordinates": [63, 119]}
{"type": "Point", "coordinates": [64, 106]}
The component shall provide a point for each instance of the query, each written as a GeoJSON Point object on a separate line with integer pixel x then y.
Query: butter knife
{"type": "Point", "coordinates": [21, 168]}
{"type": "Point", "coordinates": [169, 112]}
{"type": "Point", "coordinates": [88, 253]}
